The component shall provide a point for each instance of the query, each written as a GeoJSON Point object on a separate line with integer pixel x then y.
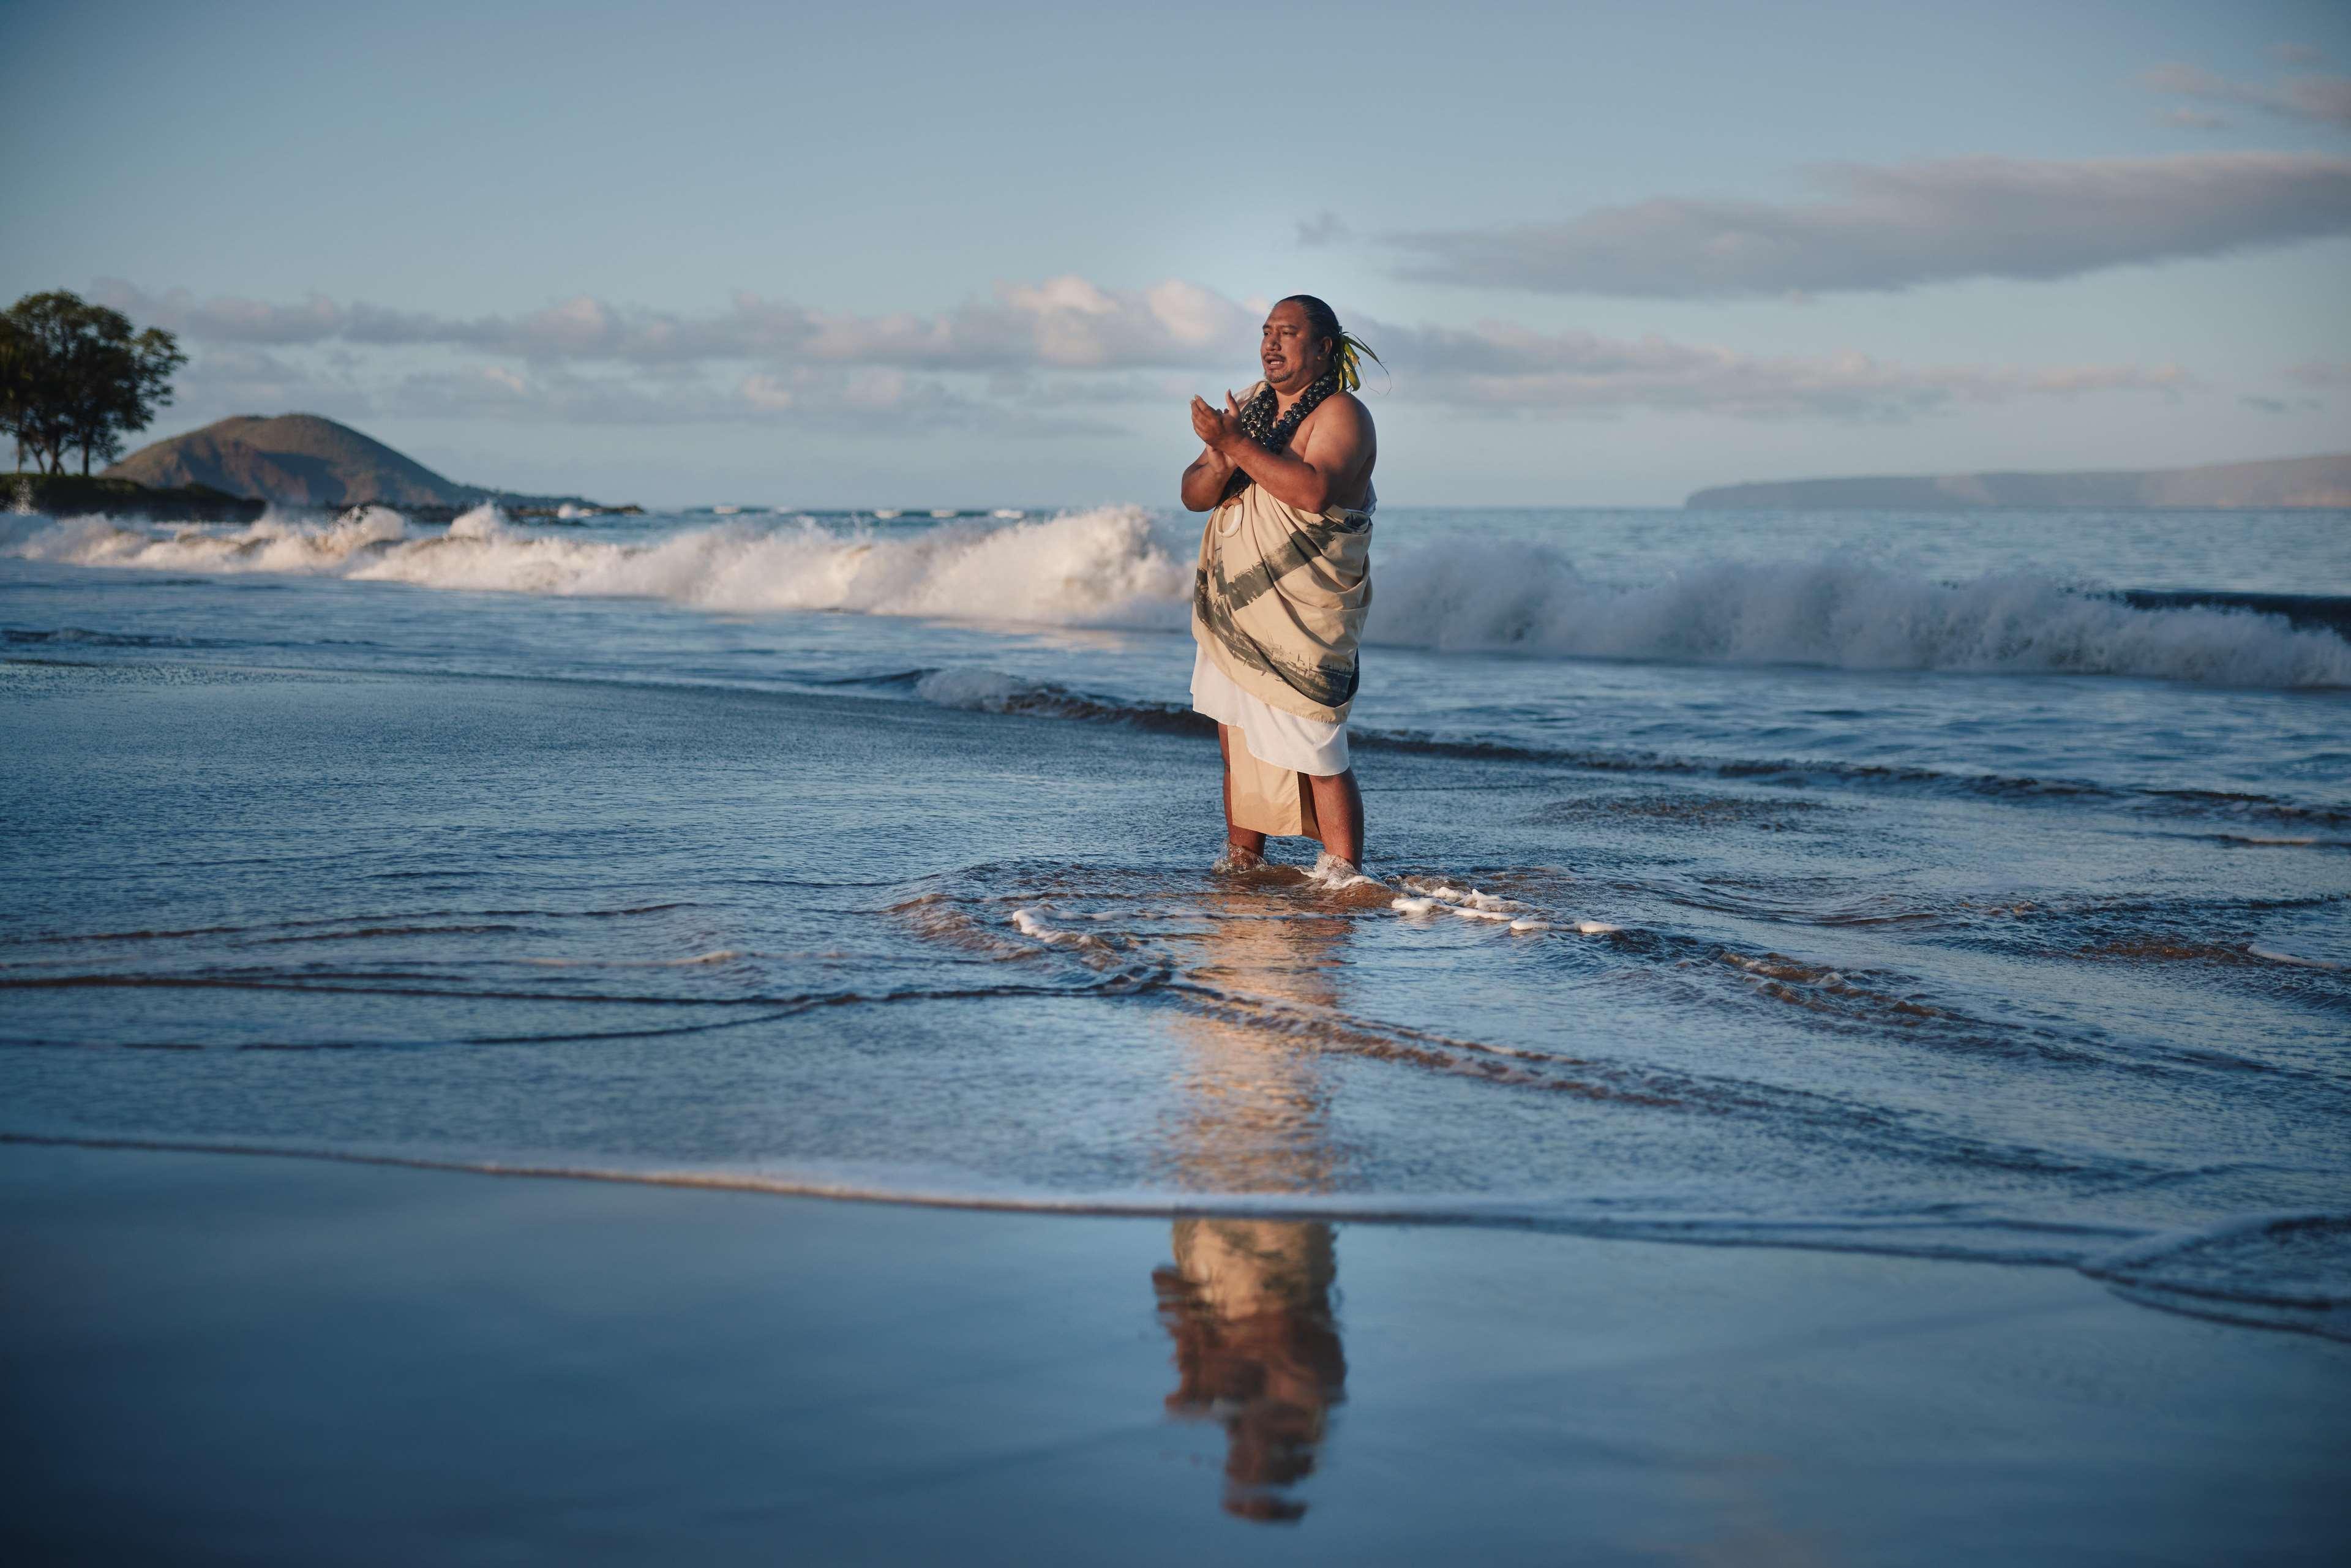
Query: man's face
{"type": "Point", "coordinates": [1291, 353]}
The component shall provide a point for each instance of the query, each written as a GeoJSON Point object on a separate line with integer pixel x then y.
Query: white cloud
{"type": "Point", "coordinates": [1063, 322]}
{"type": "Point", "coordinates": [769, 394]}
{"type": "Point", "coordinates": [245, 379]}
{"type": "Point", "coordinates": [865, 401]}
{"type": "Point", "coordinates": [1890, 227]}
{"type": "Point", "coordinates": [1499, 367]}
{"type": "Point", "coordinates": [2321, 373]}
{"type": "Point", "coordinates": [2325, 99]}
{"type": "Point", "coordinates": [1046, 358]}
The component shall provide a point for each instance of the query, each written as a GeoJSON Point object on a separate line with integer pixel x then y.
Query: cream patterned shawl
{"type": "Point", "coordinates": [1280, 597]}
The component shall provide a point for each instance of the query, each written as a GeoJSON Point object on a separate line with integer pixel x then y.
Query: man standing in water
{"type": "Point", "coordinates": [1283, 583]}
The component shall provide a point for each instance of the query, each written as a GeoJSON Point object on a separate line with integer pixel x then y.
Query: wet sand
{"type": "Point", "coordinates": [237, 1358]}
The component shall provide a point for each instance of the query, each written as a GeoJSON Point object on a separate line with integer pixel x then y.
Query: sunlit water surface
{"type": "Point", "coordinates": [1848, 879]}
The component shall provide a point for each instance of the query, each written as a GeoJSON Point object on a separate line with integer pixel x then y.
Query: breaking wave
{"type": "Point", "coordinates": [1119, 567]}
{"type": "Point", "coordinates": [1093, 568]}
{"type": "Point", "coordinates": [1504, 597]}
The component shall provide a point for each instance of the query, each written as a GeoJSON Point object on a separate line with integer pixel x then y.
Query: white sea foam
{"type": "Point", "coordinates": [1093, 568]}
{"type": "Point", "coordinates": [1030, 923]}
{"type": "Point", "coordinates": [1470, 897]}
{"type": "Point", "coordinates": [1431, 895]}
{"type": "Point", "coordinates": [274, 543]}
{"type": "Point", "coordinates": [1332, 875]}
{"type": "Point", "coordinates": [975, 687]}
{"type": "Point", "coordinates": [1111, 567]}
{"type": "Point", "coordinates": [1494, 595]}
{"type": "Point", "coordinates": [2275, 957]}
{"type": "Point", "coordinates": [484, 525]}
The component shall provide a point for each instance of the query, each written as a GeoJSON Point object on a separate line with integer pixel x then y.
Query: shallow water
{"type": "Point", "coordinates": [1855, 881]}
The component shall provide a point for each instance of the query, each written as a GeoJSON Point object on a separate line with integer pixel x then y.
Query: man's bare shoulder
{"type": "Point", "coordinates": [1343, 414]}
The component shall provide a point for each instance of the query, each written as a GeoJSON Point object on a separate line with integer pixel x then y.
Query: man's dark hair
{"type": "Point", "coordinates": [1321, 319]}
{"type": "Point", "coordinates": [1347, 350]}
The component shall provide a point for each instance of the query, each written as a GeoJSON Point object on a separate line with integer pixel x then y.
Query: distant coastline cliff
{"type": "Point", "coordinates": [305, 460]}
{"type": "Point", "coordinates": [2288, 482]}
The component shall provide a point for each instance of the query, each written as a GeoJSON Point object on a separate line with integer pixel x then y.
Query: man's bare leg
{"type": "Point", "coordinates": [1339, 809]}
{"type": "Point", "coordinates": [1244, 841]}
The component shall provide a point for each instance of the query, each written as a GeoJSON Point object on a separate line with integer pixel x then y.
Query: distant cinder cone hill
{"type": "Point", "coordinates": [2287, 481]}
{"type": "Point", "coordinates": [301, 460]}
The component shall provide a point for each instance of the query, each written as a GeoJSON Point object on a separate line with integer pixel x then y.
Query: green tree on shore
{"type": "Point", "coordinates": [74, 375]}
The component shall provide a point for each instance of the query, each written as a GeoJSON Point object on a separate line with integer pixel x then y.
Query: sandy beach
{"type": "Point", "coordinates": [223, 1358]}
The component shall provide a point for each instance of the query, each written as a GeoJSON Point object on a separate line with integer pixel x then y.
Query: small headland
{"type": "Point", "coordinates": [310, 463]}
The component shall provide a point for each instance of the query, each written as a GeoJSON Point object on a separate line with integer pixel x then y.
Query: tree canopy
{"type": "Point", "coordinates": [78, 376]}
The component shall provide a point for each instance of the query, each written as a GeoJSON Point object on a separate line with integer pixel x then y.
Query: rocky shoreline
{"type": "Point", "coordinates": [64, 495]}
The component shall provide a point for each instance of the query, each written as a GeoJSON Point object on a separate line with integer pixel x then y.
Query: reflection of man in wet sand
{"type": "Point", "coordinates": [1283, 584]}
{"type": "Point", "coordinates": [1248, 1306]}
{"type": "Point", "coordinates": [1248, 1302]}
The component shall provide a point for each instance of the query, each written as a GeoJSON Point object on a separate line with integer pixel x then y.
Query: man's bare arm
{"type": "Point", "coordinates": [1205, 481]}
{"type": "Point", "coordinates": [1341, 446]}
{"type": "Point", "coordinates": [1337, 454]}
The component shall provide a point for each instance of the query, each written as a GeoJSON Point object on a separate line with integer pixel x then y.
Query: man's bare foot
{"type": "Point", "coordinates": [1236, 859]}
{"type": "Point", "coordinates": [1333, 873]}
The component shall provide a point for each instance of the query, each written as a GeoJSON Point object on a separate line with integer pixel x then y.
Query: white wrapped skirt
{"type": "Point", "coordinates": [1281, 739]}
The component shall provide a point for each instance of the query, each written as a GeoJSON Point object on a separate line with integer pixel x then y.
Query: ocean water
{"type": "Point", "coordinates": [1965, 885]}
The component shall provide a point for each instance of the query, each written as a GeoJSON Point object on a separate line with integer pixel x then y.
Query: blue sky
{"type": "Point", "coordinates": [922, 254]}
